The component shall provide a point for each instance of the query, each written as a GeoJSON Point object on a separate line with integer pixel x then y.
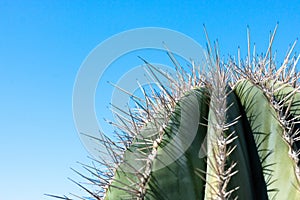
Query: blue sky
{"type": "Point", "coordinates": [42, 45]}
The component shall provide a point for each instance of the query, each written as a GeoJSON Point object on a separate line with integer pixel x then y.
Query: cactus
{"type": "Point", "coordinates": [228, 132]}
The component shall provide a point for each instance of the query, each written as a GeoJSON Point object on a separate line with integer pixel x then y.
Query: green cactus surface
{"type": "Point", "coordinates": [247, 155]}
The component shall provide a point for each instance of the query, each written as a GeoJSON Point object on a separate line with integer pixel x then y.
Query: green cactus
{"type": "Point", "coordinates": [229, 132]}
{"type": "Point", "coordinates": [247, 153]}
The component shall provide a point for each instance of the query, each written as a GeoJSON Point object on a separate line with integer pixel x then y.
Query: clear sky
{"type": "Point", "coordinates": [42, 45]}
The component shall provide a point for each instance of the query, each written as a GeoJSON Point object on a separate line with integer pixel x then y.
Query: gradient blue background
{"type": "Point", "coordinates": [42, 45]}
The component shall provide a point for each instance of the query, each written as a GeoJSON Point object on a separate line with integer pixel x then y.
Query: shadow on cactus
{"type": "Point", "coordinates": [230, 131]}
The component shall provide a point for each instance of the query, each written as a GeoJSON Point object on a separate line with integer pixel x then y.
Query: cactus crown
{"type": "Point", "coordinates": [221, 131]}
